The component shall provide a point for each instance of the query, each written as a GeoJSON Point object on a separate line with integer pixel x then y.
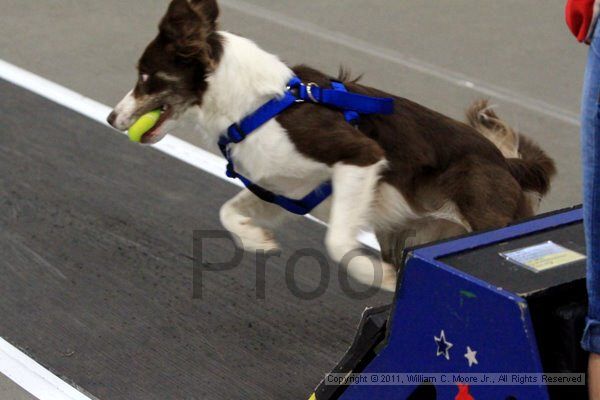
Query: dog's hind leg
{"type": "Point", "coordinates": [486, 195]}
{"type": "Point", "coordinates": [249, 218]}
{"type": "Point", "coordinates": [393, 243]}
{"type": "Point", "coordinates": [351, 208]}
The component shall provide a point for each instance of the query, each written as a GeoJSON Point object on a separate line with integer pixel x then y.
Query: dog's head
{"type": "Point", "coordinates": [173, 68]}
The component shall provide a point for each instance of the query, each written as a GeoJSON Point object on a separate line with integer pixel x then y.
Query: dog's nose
{"type": "Point", "coordinates": [112, 117]}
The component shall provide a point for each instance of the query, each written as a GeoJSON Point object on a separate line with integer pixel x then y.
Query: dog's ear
{"type": "Point", "coordinates": [188, 25]}
{"type": "Point", "coordinates": [208, 9]}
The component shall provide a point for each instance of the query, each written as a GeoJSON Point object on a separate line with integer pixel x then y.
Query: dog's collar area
{"type": "Point", "coordinates": [352, 104]}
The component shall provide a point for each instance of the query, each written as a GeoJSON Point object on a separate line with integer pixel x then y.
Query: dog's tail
{"type": "Point", "coordinates": [528, 163]}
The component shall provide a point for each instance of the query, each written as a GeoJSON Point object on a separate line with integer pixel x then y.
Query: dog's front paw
{"type": "Point", "coordinates": [256, 243]}
{"type": "Point", "coordinates": [373, 273]}
{"type": "Point", "coordinates": [252, 238]}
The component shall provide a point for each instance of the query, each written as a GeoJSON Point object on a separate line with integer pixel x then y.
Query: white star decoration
{"type": "Point", "coordinates": [443, 346]}
{"type": "Point", "coordinates": [471, 356]}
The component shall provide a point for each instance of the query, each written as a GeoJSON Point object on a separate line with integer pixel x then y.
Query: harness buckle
{"type": "Point", "coordinates": [309, 92]}
{"type": "Point", "coordinates": [295, 92]}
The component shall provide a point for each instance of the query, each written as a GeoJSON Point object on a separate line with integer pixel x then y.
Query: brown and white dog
{"type": "Point", "coordinates": [413, 173]}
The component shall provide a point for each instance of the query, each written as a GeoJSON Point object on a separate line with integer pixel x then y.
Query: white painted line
{"type": "Point", "coordinates": [34, 378]}
{"type": "Point", "coordinates": [304, 26]}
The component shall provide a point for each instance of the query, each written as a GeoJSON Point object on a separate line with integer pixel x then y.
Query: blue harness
{"type": "Point", "coordinates": [297, 92]}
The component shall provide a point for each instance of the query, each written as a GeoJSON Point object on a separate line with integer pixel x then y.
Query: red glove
{"type": "Point", "coordinates": [579, 14]}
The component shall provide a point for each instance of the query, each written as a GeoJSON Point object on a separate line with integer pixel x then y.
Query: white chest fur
{"type": "Point", "coordinates": [269, 158]}
{"type": "Point", "coordinates": [245, 79]}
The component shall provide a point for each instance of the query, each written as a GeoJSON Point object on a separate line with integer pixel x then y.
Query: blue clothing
{"type": "Point", "coordinates": [590, 143]}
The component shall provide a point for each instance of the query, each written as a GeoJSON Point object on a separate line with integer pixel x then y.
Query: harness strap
{"type": "Point", "coordinates": [350, 115]}
{"type": "Point", "coordinates": [345, 100]}
{"type": "Point", "coordinates": [300, 207]}
{"type": "Point", "coordinates": [238, 132]}
{"type": "Point", "coordinates": [338, 96]}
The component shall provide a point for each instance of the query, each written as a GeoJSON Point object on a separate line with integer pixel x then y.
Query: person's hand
{"type": "Point", "coordinates": [594, 376]}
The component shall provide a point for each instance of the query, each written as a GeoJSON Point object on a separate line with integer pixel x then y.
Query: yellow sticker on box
{"type": "Point", "coordinates": [543, 256]}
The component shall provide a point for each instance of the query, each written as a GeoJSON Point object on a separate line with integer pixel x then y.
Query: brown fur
{"type": "Point", "coordinates": [530, 165]}
{"type": "Point", "coordinates": [189, 24]}
{"type": "Point", "coordinates": [187, 46]}
{"type": "Point", "coordinates": [432, 158]}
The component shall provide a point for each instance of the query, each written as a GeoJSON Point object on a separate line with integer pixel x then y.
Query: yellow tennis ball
{"type": "Point", "coordinates": [143, 125]}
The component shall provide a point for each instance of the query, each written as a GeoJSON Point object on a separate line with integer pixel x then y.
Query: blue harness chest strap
{"type": "Point", "coordinates": [301, 207]}
{"type": "Point", "coordinates": [351, 104]}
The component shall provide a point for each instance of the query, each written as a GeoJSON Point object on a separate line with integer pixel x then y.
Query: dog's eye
{"type": "Point", "coordinates": [144, 78]}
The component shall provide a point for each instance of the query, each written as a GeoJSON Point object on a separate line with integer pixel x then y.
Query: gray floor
{"type": "Point", "coordinates": [443, 54]}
